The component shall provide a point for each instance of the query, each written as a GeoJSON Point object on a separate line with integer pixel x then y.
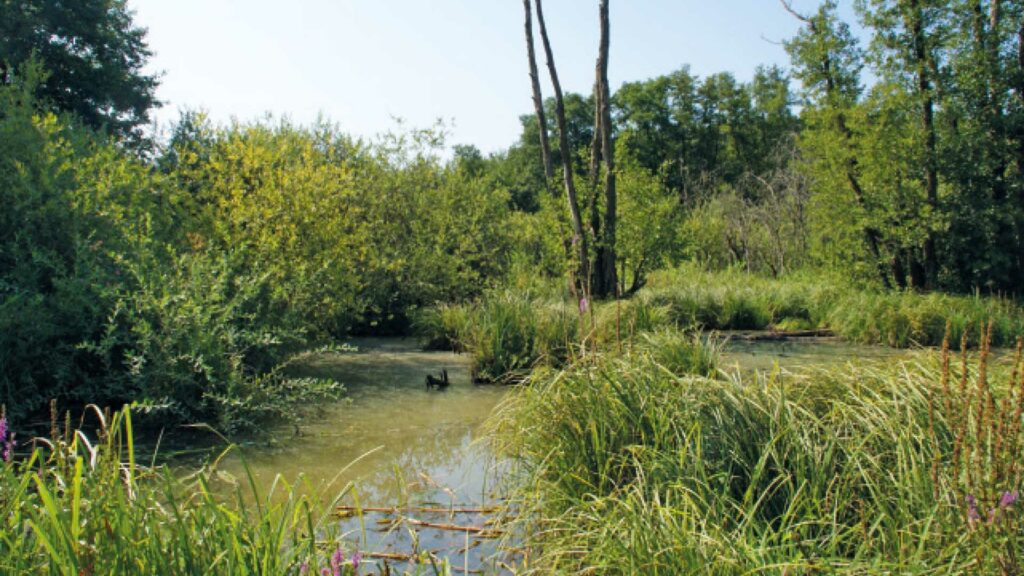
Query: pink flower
{"type": "Point", "coordinates": [1008, 499]}
{"type": "Point", "coordinates": [972, 509]}
{"type": "Point", "coordinates": [584, 305]}
{"type": "Point", "coordinates": [337, 561]}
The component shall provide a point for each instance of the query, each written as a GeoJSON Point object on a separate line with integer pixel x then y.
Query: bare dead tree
{"type": "Point", "coordinates": [538, 100]}
{"type": "Point", "coordinates": [579, 238]}
{"type": "Point", "coordinates": [605, 281]}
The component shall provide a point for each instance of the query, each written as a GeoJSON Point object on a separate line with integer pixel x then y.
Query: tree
{"type": "Point", "coordinates": [93, 54]}
{"type": "Point", "coordinates": [538, 100]}
{"type": "Point", "coordinates": [828, 63]}
{"type": "Point", "coordinates": [905, 36]}
{"type": "Point", "coordinates": [579, 237]}
{"type": "Point", "coordinates": [604, 281]}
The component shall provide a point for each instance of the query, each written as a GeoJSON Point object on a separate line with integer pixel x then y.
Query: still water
{"type": "Point", "coordinates": [402, 445]}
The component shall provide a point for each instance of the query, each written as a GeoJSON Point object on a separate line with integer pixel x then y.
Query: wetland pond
{"type": "Point", "coordinates": [417, 451]}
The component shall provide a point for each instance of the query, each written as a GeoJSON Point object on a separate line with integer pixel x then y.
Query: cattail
{"type": "Point", "coordinates": [67, 428]}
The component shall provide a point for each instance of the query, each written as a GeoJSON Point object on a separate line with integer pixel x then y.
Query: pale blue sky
{"type": "Point", "coordinates": [361, 62]}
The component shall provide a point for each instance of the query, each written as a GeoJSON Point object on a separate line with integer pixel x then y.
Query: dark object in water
{"type": "Point", "coordinates": [439, 383]}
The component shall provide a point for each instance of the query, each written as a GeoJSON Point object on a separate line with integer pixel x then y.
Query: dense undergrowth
{"type": "Point", "coordinates": [186, 280]}
{"type": "Point", "coordinates": [627, 467]}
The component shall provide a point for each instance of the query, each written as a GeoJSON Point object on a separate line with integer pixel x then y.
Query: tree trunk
{"type": "Point", "coordinates": [914, 21]}
{"type": "Point", "coordinates": [580, 237]}
{"type": "Point", "coordinates": [605, 272]}
{"type": "Point", "coordinates": [538, 100]}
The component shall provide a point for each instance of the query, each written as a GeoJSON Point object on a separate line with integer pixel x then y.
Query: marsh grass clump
{"type": "Point", "coordinates": [682, 353]}
{"type": "Point", "coordinates": [617, 322]}
{"type": "Point", "coordinates": [79, 504]}
{"type": "Point", "coordinates": [733, 300]}
{"type": "Point", "coordinates": [903, 319]}
{"type": "Point", "coordinates": [627, 467]}
{"type": "Point", "coordinates": [507, 333]}
{"type": "Point", "coordinates": [441, 326]}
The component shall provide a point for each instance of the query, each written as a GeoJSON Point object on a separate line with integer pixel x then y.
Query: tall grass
{"type": "Point", "coordinates": [903, 319]}
{"type": "Point", "coordinates": [507, 333]}
{"type": "Point", "coordinates": [738, 301]}
{"type": "Point", "coordinates": [77, 506]}
{"type": "Point", "coordinates": [628, 468]}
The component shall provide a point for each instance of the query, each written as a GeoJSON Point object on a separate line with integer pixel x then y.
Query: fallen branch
{"type": "Point", "coordinates": [356, 509]}
{"type": "Point", "coordinates": [477, 530]}
{"type": "Point", "coordinates": [777, 335]}
{"type": "Point", "coordinates": [411, 558]}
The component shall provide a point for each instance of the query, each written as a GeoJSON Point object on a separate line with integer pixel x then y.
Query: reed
{"type": "Point", "coordinates": [626, 467]}
{"type": "Point", "coordinates": [77, 505]}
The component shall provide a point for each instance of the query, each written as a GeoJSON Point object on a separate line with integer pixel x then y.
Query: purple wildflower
{"type": "Point", "coordinates": [337, 560]}
{"type": "Point", "coordinates": [356, 558]}
{"type": "Point", "coordinates": [7, 440]}
{"type": "Point", "coordinates": [972, 509]}
{"type": "Point", "coordinates": [304, 568]}
{"type": "Point", "coordinates": [325, 572]}
{"type": "Point", "coordinates": [584, 305]}
{"type": "Point", "coordinates": [1008, 499]}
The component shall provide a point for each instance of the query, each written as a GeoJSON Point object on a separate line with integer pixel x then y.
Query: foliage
{"type": "Point", "coordinates": [189, 287]}
{"type": "Point", "coordinates": [916, 178]}
{"type": "Point", "coordinates": [93, 55]}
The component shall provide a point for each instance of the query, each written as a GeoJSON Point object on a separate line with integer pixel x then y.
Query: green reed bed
{"type": "Point", "coordinates": [738, 301]}
{"type": "Point", "coordinates": [509, 332]}
{"type": "Point", "coordinates": [627, 467]}
{"type": "Point", "coordinates": [903, 319]}
{"type": "Point", "coordinates": [76, 506]}
{"type": "Point", "coordinates": [506, 332]}
{"type": "Point", "coordinates": [731, 300]}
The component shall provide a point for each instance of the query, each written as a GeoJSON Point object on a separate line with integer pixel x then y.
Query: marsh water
{"type": "Point", "coordinates": [403, 445]}
{"type": "Point", "coordinates": [400, 445]}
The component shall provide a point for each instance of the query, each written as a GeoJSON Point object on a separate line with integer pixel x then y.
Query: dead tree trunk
{"type": "Point", "coordinates": [538, 100]}
{"type": "Point", "coordinates": [605, 281]}
{"type": "Point", "coordinates": [580, 237]}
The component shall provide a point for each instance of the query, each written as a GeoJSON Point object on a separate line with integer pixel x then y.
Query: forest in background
{"type": "Point", "coordinates": [185, 272]}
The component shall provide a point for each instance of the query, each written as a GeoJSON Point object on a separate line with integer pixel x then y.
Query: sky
{"type": "Point", "coordinates": [364, 63]}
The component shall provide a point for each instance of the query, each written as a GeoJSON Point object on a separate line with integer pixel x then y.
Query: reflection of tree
{"type": "Point", "coordinates": [445, 456]}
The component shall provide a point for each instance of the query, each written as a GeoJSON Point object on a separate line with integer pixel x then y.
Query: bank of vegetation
{"type": "Point", "coordinates": [631, 465]}
{"type": "Point", "coordinates": [875, 189]}
{"type": "Point", "coordinates": [508, 332]}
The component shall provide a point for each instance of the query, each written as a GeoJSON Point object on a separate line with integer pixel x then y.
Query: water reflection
{"type": "Point", "coordinates": [765, 355]}
{"type": "Point", "coordinates": [421, 444]}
